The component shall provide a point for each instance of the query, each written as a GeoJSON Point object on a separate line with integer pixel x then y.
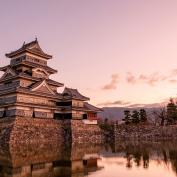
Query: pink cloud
{"type": "Point", "coordinates": [130, 78]}
{"type": "Point", "coordinates": [152, 79]}
{"type": "Point", "coordinates": [118, 103]}
{"type": "Point", "coordinates": [173, 81]}
{"type": "Point", "coordinates": [113, 83]}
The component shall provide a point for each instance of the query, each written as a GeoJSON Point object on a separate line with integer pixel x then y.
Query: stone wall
{"type": "Point", "coordinates": [34, 130]}
{"type": "Point", "coordinates": [6, 126]}
{"type": "Point", "coordinates": [85, 133]}
{"type": "Point", "coordinates": [28, 130]}
{"type": "Point", "coordinates": [145, 132]}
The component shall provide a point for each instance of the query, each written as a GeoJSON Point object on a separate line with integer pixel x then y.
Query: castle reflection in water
{"type": "Point", "coordinates": [54, 160]}
{"type": "Point", "coordinates": [48, 160]}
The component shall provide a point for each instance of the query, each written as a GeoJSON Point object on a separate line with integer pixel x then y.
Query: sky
{"type": "Point", "coordinates": [117, 52]}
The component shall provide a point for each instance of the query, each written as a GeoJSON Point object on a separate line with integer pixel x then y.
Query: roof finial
{"type": "Point", "coordinates": [36, 38]}
{"type": "Point", "coordinates": [23, 43]}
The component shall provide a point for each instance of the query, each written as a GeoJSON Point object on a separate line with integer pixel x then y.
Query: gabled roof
{"type": "Point", "coordinates": [31, 47]}
{"type": "Point", "coordinates": [42, 84]}
{"type": "Point", "coordinates": [55, 83]}
{"type": "Point", "coordinates": [91, 108]}
{"type": "Point", "coordinates": [28, 77]}
{"type": "Point", "coordinates": [4, 68]}
{"type": "Point", "coordinates": [73, 93]}
{"type": "Point", "coordinates": [8, 72]}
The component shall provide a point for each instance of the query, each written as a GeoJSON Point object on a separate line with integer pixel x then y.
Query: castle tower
{"type": "Point", "coordinates": [26, 89]}
{"type": "Point", "coordinates": [32, 110]}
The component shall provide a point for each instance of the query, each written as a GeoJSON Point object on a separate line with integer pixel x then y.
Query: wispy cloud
{"type": "Point", "coordinates": [130, 78]}
{"type": "Point", "coordinates": [115, 103]}
{"type": "Point", "coordinates": [173, 81]}
{"type": "Point", "coordinates": [113, 83]}
{"type": "Point", "coordinates": [151, 105]}
{"type": "Point", "coordinates": [127, 104]}
{"type": "Point", "coordinates": [174, 72]}
{"type": "Point", "coordinates": [132, 105]}
{"type": "Point", "coordinates": [151, 79]}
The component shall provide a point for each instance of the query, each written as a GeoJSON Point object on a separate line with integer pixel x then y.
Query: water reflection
{"type": "Point", "coordinates": [121, 159]}
{"type": "Point", "coordinates": [48, 160]}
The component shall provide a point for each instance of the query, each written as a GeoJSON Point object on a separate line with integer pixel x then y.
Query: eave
{"type": "Point", "coordinates": [4, 68]}
{"type": "Point", "coordinates": [34, 65]}
{"type": "Point", "coordinates": [91, 108]}
{"type": "Point", "coordinates": [54, 83]}
{"type": "Point", "coordinates": [27, 92]}
{"type": "Point", "coordinates": [74, 94]}
{"type": "Point", "coordinates": [16, 53]}
{"type": "Point", "coordinates": [30, 78]}
{"type": "Point", "coordinates": [70, 98]}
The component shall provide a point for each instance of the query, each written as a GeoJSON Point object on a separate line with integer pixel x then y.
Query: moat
{"type": "Point", "coordinates": [126, 159]}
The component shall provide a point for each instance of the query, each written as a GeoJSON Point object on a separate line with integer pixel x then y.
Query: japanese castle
{"type": "Point", "coordinates": [27, 91]}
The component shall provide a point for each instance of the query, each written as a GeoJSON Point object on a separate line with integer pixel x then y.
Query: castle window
{"type": "Point", "coordinates": [8, 83]}
{"type": "Point", "coordinates": [19, 71]}
{"type": "Point", "coordinates": [2, 114]}
{"type": "Point", "coordinates": [33, 116]}
{"type": "Point", "coordinates": [38, 166]}
{"type": "Point", "coordinates": [28, 72]}
{"type": "Point", "coordinates": [18, 60]}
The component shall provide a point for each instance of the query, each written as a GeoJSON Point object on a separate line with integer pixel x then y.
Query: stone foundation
{"type": "Point", "coordinates": [85, 133]}
{"type": "Point", "coordinates": [6, 126]}
{"type": "Point", "coordinates": [33, 130]}
{"type": "Point", "coordinates": [27, 130]}
{"type": "Point", "coordinates": [145, 132]}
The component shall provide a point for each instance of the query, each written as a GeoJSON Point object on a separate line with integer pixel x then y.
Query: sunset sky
{"type": "Point", "coordinates": [117, 52]}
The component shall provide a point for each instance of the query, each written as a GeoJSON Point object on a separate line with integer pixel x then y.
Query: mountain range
{"type": "Point", "coordinates": [117, 113]}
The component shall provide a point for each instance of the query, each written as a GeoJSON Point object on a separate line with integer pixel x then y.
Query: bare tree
{"type": "Point", "coordinates": [160, 115]}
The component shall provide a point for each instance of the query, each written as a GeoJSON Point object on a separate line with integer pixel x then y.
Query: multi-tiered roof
{"type": "Point", "coordinates": [27, 90]}
{"type": "Point", "coordinates": [32, 47]}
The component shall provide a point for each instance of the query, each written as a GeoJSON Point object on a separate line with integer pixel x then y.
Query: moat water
{"type": "Point", "coordinates": [124, 159]}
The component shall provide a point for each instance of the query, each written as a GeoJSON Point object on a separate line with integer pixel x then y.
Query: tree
{"type": "Point", "coordinates": [137, 158]}
{"type": "Point", "coordinates": [171, 112]}
{"type": "Point", "coordinates": [106, 120]}
{"type": "Point", "coordinates": [127, 117]}
{"type": "Point", "coordinates": [145, 159]}
{"type": "Point", "coordinates": [160, 115]}
{"type": "Point", "coordinates": [142, 115]}
{"type": "Point", "coordinates": [135, 117]}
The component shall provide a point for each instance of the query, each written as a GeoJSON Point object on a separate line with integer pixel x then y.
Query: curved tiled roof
{"type": "Point", "coordinates": [74, 94]}
{"type": "Point", "coordinates": [4, 68]}
{"type": "Point", "coordinates": [35, 65]}
{"type": "Point", "coordinates": [48, 81]}
{"type": "Point", "coordinates": [90, 107]}
{"type": "Point", "coordinates": [31, 47]}
{"type": "Point", "coordinates": [27, 76]}
{"type": "Point", "coordinates": [52, 82]}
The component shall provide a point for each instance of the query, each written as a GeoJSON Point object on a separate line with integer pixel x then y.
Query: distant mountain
{"type": "Point", "coordinates": [117, 113]}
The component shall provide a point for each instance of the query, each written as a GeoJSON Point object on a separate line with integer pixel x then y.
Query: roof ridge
{"type": "Point", "coordinates": [70, 88]}
{"type": "Point", "coordinates": [29, 43]}
{"type": "Point", "coordinates": [37, 83]}
{"type": "Point", "coordinates": [29, 48]}
{"type": "Point", "coordinates": [74, 93]}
